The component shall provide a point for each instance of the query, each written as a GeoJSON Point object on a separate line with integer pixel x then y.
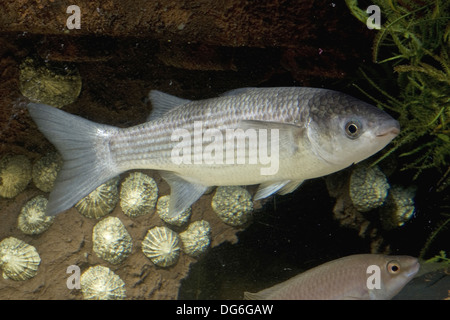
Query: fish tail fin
{"type": "Point", "coordinates": [84, 147]}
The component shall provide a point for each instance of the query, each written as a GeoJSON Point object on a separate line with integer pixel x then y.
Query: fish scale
{"type": "Point", "coordinates": [154, 134]}
{"type": "Point", "coordinates": [300, 133]}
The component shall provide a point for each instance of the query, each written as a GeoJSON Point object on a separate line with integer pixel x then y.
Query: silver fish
{"type": "Point", "coordinates": [355, 277]}
{"type": "Point", "coordinates": [196, 144]}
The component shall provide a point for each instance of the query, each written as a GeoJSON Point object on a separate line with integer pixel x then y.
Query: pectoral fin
{"type": "Point", "coordinates": [182, 193]}
{"type": "Point", "coordinates": [291, 186]}
{"type": "Point", "coordinates": [282, 187]}
{"type": "Point", "coordinates": [267, 188]}
{"type": "Point", "coordinates": [288, 136]}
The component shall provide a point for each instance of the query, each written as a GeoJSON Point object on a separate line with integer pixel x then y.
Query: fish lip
{"type": "Point", "coordinates": [393, 131]}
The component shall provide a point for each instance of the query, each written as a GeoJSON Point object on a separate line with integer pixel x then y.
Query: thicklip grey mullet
{"type": "Point", "coordinates": [320, 131]}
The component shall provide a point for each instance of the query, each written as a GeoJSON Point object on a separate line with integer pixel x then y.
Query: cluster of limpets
{"type": "Point", "coordinates": [163, 245]}
{"type": "Point", "coordinates": [112, 242]}
{"type": "Point", "coordinates": [369, 189]}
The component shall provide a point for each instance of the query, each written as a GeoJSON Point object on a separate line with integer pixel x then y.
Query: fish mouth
{"type": "Point", "coordinates": [392, 129]}
{"type": "Point", "coordinates": [414, 269]}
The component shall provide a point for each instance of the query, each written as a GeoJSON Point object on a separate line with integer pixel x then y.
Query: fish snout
{"type": "Point", "coordinates": [415, 266]}
{"type": "Point", "coordinates": [390, 128]}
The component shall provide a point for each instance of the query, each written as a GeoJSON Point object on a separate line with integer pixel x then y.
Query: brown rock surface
{"type": "Point", "coordinates": [232, 23]}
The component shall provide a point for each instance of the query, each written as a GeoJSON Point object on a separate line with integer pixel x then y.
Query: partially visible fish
{"type": "Point", "coordinates": [311, 133]}
{"type": "Point", "coordinates": [354, 277]}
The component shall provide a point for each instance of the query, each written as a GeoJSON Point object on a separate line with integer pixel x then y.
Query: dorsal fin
{"type": "Point", "coordinates": [238, 91]}
{"type": "Point", "coordinates": [162, 103]}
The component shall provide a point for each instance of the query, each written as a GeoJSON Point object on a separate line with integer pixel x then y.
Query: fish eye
{"type": "Point", "coordinates": [393, 267]}
{"type": "Point", "coordinates": [353, 129]}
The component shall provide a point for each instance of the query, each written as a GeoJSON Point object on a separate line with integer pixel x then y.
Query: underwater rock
{"type": "Point", "coordinates": [196, 239]}
{"type": "Point", "coordinates": [101, 201]}
{"type": "Point", "coordinates": [100, 283]}
{"type": "Point", "coordinates": [45, 170]}
{"type": "Point", "coordinates": [196, 56]}
{"type": "Point", "coordinates": [348, 216]}
{"type": "Point", "coordinates": [233, 205]}
{"type": "Point", "coordinates": [399, 207]}
{"type": "Point", "coordinates": [368, 188]}
{"type": "Point", "coordinates": [162, 208]}
{"type": "Point", "coordinates": [161, 246]}
{"type": "Point", "coordinates": [52, 83]}
{"type": "Point", "coordinates": [138, 194]}
{"type": "Point", "coordinates": [15, 174]}
{"type": "Point", "coordinates": [111, 240]}
{"type": "Point", "coordinates": [18, 260]}
{"type": "Point", "coordinates": [32, 218]}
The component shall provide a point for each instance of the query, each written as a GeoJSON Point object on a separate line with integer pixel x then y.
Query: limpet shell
{"type": "Point", "coordinates": [18, 260]}
{"type": "Point", "coordinates": [161, 246]}
{"type": "Point", "coordinates": [138, 194]}
{"type": "Point", "coordinates": [101, 201]}
{"type": "Point", "coordinates": [32, 218]}
{"type": "Point", "coordinates": [111, 240]}
{"type": "Point", "coordinates": [196, 239]}
{"type": "Point", "coordinates": [233, 205]}
{"type": "Point", "coordinates": [100, 283]}
{"type": "Point", "coordinates": [53, 83]}
{"type": "Point", "coordinates": [15, 174]}
{"type": "Point", "coordinates": [162, 209]}
{"type": "Point", "coordinates": [45, 170]}
{"type": "Point", "coordinates": [368, 188]}
{"type": "Point", "coordinates": [398, 208]}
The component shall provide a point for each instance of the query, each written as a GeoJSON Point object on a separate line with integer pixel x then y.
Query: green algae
{"type": "Point", "coordinates": [413, 44]}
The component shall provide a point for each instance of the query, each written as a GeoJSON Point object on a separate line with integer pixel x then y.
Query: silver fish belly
{"type": "Point", "coordinates": [275, 137]}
